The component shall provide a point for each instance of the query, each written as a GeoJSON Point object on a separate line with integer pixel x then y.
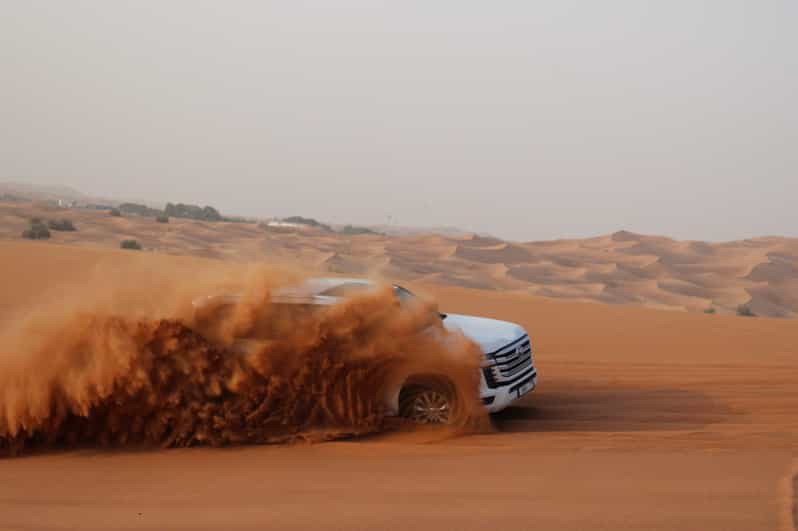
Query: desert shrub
{"type": "Point", "coordinates": [181, 210]}
{"type": "Point", "coordinates": [115, 212]}
{"type": "Point", "coordinates": [744, 310]}
{"type": "Point", "coordinates": [710, 310]}
{"type": "Point", "coordinates": [137, 209]}
{"type": "Point", "coordinates": [61, 224]}
{"type": "Point", "coordinates": [162, 219]}
{"type": "Point", "coordinates": [130, 244]}
{"type": "Point", "coordinates": [36, 231]}
{"type": "Point", "coordinates": [352, 230]}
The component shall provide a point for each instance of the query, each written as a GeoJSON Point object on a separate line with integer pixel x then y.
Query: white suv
{"type": "Point", "coordinates": [507, 370]}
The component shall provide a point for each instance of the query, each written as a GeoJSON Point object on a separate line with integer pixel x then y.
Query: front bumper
{"type": "Point", "coordinates": [499, 398]}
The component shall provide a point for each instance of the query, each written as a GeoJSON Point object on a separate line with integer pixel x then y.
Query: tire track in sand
{"type": "Point", "coordinates": [795, 499]}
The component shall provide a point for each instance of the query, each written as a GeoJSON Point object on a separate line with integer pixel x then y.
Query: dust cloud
{"type": "Point", "coordinates": [100, 365]}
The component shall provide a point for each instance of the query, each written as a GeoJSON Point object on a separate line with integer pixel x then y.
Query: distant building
{"type": "Point", "coordinates": [276, 223]}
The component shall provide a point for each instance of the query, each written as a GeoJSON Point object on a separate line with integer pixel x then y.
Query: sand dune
{"type": "Point", "coordinates": [621, 268]}
{"type": "Point", "coordinates": [643, 420]}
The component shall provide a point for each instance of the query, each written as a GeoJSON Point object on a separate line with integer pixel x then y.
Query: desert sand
{"type": "Point", "coordinates": [620, 268]}
{"type": "Point", "coordinates": [644, 419]}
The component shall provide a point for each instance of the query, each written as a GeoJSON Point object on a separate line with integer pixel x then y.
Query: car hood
{"type": "Point", "coordinates": [489, 334]}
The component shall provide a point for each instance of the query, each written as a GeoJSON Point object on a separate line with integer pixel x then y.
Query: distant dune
{"type": "Point", "coordinates": [621, 268]}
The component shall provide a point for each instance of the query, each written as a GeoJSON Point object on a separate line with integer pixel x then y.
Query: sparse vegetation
{"type": "Point", "coordinates": [238, 219]}
{"type": "Point", "coordinates": [115, 212]}
{"type": "Point", "coordinates": [130, 244]}
{"type": "Point", "coordinates": [352, 230]}
{"type": "Point", "coordinates": [710, 310]}
{"type": "Point", "coordinates": [63, 225]}
{"type": "Point", "coordinates": [36, 231]}
{"type": "Point", "coordinates": [97, 206]}
{"type": "Point", "coordinates": [177, 210]}
{"type": "Point", "coordinates": [139, 210]}
{"type": "Point", "coordinates": [744, 310]}
{"type": "Point", "coordinates": [180, 210]}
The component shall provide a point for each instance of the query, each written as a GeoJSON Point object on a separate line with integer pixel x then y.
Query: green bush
{"type": "Point", "coordinates": [744, 310]}
{"type": "Point", "coordinates": [130, 244]}
{"type": "Point", "coordinates": [115, 212]}
{"type": "Point", "coordinates": [137, 209]}
{"type": "Point", "coordinates": [352, 230]}
{"type": "Point", "coordinates": [36, 231]}
{"type": "Point", "coordinates": [710, 310]}
{"type": "Point", "coordinates": [181, 210]}
{"type": "Point", "coordinates": [162, 219]}
{"type": "Point", "coordinates": [61, 225]}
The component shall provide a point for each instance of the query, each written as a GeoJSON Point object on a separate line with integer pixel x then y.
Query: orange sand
{"type": "Point", "coordinates": [644, 419]}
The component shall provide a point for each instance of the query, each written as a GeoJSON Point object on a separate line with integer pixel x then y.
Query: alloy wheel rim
{"type": "Point", "coordinates": [430, 407]}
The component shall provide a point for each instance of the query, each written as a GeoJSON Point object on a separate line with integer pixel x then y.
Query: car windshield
{"type": "Point", "coordinates": [354, 288]}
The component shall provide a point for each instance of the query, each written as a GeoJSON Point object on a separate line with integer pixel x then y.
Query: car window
{"type": "Point", "coordinates": [404, 295]}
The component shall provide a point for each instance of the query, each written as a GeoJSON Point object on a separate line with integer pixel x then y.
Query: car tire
{"type": "Point", "coordinates": [429, 400]}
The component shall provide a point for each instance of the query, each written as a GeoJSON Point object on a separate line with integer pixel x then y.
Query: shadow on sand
{"type": "Point", "coordinates": [577, 408]}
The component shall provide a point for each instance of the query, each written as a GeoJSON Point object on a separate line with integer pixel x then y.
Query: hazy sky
{"type": "Point", "coordinates": [525, 119]}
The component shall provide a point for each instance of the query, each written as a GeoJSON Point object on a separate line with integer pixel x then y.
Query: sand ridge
{"type": "Point", "coordinates": [621, 268]}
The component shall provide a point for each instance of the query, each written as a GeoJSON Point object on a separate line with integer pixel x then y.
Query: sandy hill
{"type": "Point", "coordinates": [621, 268]}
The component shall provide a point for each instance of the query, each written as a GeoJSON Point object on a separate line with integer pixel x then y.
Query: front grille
{"type": "Point", "coordinates": [509, 363]}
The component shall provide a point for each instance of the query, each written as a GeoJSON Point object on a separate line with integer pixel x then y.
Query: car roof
{"type": "Point", "coordinates": [311, 291]}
